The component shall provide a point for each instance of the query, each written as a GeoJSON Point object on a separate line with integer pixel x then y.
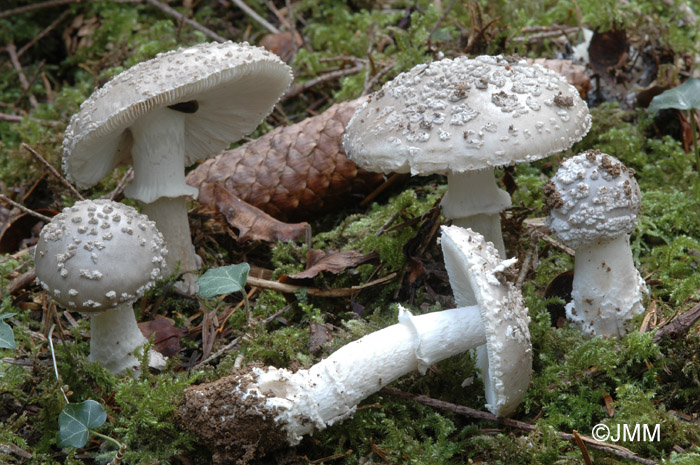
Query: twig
{"type": "Point", "coordinates": [53, 171]}
{"type": "Point", "coordinates": [24, 209]}
{"type": "Point", "coordinates": [297, 89]}
{"type": "Point", "coordinates": [525, 267]}
{"type": "Point", "coordinates": [18, 119]}
{"type": "Point", "coordinates": [578, 439]}
{"type": "Point", "coordinates": [42, 34]}
{"type": "Point", "coordinates": [536, 225]}
{"type": "Point", "coordinates": [55, 366]}
{"type": "Point", "coordinates": [613, 449]}
{"type": "Point", "coordinates": [679, 325]}
{"type": "Point", "coordinates": [235, 341]}
{"type": "Point", "coordinates": [256, 17]}
{"type": "Point", "coordinates": [122, 183]}
{"type": "Point", "coordinates": [374, 79]}
{"type": "Point", "coordinates": [291, 288]}
{"type": "Point", "coordinates": [190, 22]}
{"type": "Point", "coordinates": [37, 6]}
{"type": "Point", "coordinates": [11, 118]}
{"type": "Point", "coordinates": [440, 20]}
{"type": "Point", "coordinates": [30, 83]}
{"type": "Point", "coordinates": [12, 51]}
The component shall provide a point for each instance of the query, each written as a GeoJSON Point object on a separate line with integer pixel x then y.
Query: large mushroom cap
{"type": "Point", "coordinates": [505, 360]}
{"type": "Point", "coordinates": [592, 197]}
{"type": "Point", "coordinates": [97, 255]}
{"type": "Point", "coordinates": [463, 114]}
{"type": "Point", "coordinates": [234, 84]}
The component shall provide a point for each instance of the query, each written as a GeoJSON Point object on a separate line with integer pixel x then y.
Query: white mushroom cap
{"type": "Point", "coordinates": [463, 114]}
{"type": "Point", "coordinates": [592, 197]}
{"type": "Point", "coordinates": [476, 273]}
{"type": "Point", "coordinates": [235, 84]}
{"type": "Point", "coordinates": [98, 254]}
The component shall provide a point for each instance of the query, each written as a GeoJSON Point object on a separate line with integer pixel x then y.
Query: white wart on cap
{"type": "Point", "coordinates": [477, 277]}
{"type": "Point", "coordinates": [592, 197]}
{"type": "Point", "coordinates": [463, 117]}
{"type": "Point", "coordinates": [594, 201]}
{"type": "Point", "coordinates": [464, 114]}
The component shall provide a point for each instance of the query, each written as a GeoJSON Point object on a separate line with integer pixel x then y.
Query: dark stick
{"type": "Point", "coordinates": [521, 425]}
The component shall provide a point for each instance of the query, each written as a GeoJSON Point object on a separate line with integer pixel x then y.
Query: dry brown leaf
{"type": "Point", "coordinates": [167, 336]}
{"type": "Point", "coordinates": [574, 74]}
{"type": "Point", "coordinates": [251, 222]}
{"type": "Point", "coordinates": [334, 262]}
{"type": "Point", "coordinates": [293, 172]}
{"type": "Point", "coordinates": [282, 44]}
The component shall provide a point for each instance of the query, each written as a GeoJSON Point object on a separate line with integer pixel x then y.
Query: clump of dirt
{"type": "Point", "coordinates": [235, 425]}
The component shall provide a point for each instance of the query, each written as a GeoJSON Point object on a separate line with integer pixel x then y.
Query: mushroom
{"type": "Point", "coordinates": [462, 117]}
{"type": "Point", "coordinates": [284, 406]}
{"type": "Point", "coordinates": [593, 202]}
{"type": "Point", "coordinates": [163, 115]}
{"type": "Point", "coordinates": [98, 257]}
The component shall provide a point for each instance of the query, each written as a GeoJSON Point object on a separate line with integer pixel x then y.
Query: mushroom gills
{"type": "Point", "coordinates": [189, 107]}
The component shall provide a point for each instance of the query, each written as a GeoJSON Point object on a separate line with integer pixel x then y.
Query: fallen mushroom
{"type": "Point", "coordinates": [463, 117]}
{"type": "Point", "coordinates": [163, 115]}
{"type": "Point", "coordinates": [98, 257]}
{"type": "Point", "coordinates": [593, 202]}
{"type": "Point", "coordinates": [254, 412]}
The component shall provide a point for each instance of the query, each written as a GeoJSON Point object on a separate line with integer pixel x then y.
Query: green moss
{"type": "Point", "coordinates": [146, 415]}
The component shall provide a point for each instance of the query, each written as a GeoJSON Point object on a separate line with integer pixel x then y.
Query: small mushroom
{"type": "Point", "coordinates": [285, 406]}
{"type": "Point", "coordinates": [98, 257]}
{"type": "Point", "coordinates": [462, 117]}
{"type": "Point", "coordinates": [163, 115]}
{"type": "Point", "coordinates": [593, 202]}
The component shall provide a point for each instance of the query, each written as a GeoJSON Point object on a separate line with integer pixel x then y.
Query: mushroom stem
{"type": "Point", "coordinates": [115, 336]}
{"type": "Point", "coordinates": [328, 392]}
{"type": "Point", "coordinates": [158, 154]}
{"type": "Point", "coordinates": [607, 288]}
{"type": "Point", "coordinates": [168, 214]}
{"type": "Point", "coordinates": [474, 200]}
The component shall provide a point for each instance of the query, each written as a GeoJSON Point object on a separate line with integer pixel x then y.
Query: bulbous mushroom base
{"type": "Point", "coordinates": [115, 339]}
{"type": "Point", "coordinates": [608, 290]}
{"type": "Point", "coordinates": [250, 430]}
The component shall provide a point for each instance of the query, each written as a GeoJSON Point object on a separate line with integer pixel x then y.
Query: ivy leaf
{"type": "Point", "coordinates": [7, 337]}
{"type": "Point", "coordinates": [223, 280]}
{"type": "Point", "coordinates": [76, 419]}
{"type": "Point", "coordinates": [683, 97]}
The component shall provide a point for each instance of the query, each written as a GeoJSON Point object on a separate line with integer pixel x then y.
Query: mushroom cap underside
{"type": "Point", "coordinates": [592, 197]}
{"type": "Point", "coordinates": [235, 85]}
{"type": "Point", "coordinates": [98, 254]}
{"type": "Point", "coordinates": [464, 114]}
{"type": "Point", "coordinates": [505, 361]}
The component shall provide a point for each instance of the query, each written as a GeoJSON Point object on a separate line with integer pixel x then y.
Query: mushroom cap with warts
{"type": "Point", "coordinates": [477, 276]}
{"type": "Point", "coordinates": [464, 114]}
{"type": "Point", "coordinates": [592, 197]}
{"type": "Point", "coordinates": [97, 255]}
{"type": "Point", "coordinates": [225, 91]}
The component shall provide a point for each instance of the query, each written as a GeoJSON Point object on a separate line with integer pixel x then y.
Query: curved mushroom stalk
{"type": "Point", "coordinates": [261, 410]}
{"type": "Point", "coordinates": [115, 339]}
{"type": "Point", "coordinates": [474, 200]}
{"type": "Point", "coordinates": [607, 290]}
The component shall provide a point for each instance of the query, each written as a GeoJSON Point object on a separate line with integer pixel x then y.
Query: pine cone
{"type": "Point", "coordinates": [293, 172]}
